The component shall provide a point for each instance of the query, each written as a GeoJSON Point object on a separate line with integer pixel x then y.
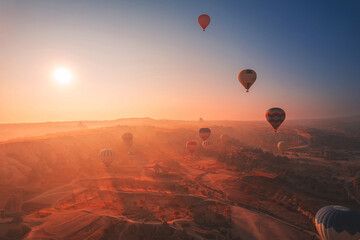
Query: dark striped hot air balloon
{"type": "Point", "coordinates": [247, 78]}
{"type": "Point", "coordinates": [107, 156]}
{"type": "Point", "coordinates": [192, 145]}
{"type": "Point", "coordinates": [128, 139]}
{"type": "Point", "coordinates": [204, 133]}
{"type": "Point", "coordinates": [275, 116]}
{"type": "Point", "coordinates": [338, 223]}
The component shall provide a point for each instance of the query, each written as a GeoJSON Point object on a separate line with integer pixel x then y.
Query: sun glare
{"type": "Point", "coordinates": [63, 76]}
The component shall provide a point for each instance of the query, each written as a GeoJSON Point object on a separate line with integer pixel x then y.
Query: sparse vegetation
{"type": "Point", "coordinates": [162, 191]}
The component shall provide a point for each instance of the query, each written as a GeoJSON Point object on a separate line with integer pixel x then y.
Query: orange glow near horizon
{"type": "Point", "coordinates": [106, 94]}
{"type": "Point", "coordinates": [132, 63]}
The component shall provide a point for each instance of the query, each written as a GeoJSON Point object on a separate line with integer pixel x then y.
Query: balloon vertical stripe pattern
{"type": "Point", "coordinates": [107, 156]}
{"type": "Point", "coordinates": [106, 153]}
{"type": "Point", "coordinates": [338, 223]}
{"type": "Point", "coordinates": [275, 116]}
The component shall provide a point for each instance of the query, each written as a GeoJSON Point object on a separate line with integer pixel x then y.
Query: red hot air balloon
{"type": "Point", "coordinates": [275, 116]}
{"type": "Point", "coordinates": [247, 78]}
{"type": "Point", "coordinates": [191, 146]}
{"type": "Point", "coordinates": [204, 133]}
{"type": "Point", "coordinates": [203, 21]}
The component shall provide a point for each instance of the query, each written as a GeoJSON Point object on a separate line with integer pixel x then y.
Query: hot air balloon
{"type": "Point", "coordinates": [191, 146]}
{"type": "Point", "coordinates": [128, 139]}
{"type": "Point", "coordinates": [338, 223]}
{"type": "Point", "coordinates": [225, 138]}
{"type": "Point", "coordinates": [107, 156]}
{"type": "Point", "coordinates": [275, 116]}
{"type": "Point", "coordinates": [203, 21]}
{"type": "Point", "coordinates": [283, 146]}
{"type": "Point", "coordinates": [247, 78]}
{"type": "Point", "coordinates": [206, 144]}
{"type": "Point", "coordinates": [204, 133]}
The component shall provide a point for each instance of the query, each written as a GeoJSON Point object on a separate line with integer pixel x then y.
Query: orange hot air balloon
{"type": "Point", "coordinates": [225, 138]}
{"type": "Point", "coordinates": [203, 21]}
{"type": "Point", "coordinates": [204, 133]}
{"type": "Point", "coordinates": [192, 145]}
{"type": "Point", "coordinates": [207, 144]}
{"type": "Point", "coordinates": [247, 78]}
{"type": "Point", "coordinates": [283, 146]}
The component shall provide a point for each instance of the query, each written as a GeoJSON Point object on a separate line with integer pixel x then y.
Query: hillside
{"type": "Point", "coordinates": [56, 186]}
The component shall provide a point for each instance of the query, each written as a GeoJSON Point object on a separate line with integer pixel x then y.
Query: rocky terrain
{"type": "Point", "coordinates": [55, 186]}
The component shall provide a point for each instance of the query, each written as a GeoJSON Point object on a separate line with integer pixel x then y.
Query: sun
{"type": "Point", "coordinates": [63, 76]}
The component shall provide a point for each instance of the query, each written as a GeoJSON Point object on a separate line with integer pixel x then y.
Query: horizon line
{"type": "Point", "coordinates": [164, 119]}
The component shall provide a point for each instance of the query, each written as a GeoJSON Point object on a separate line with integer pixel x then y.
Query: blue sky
{"type": "Point", "coordinates": [150, 58]}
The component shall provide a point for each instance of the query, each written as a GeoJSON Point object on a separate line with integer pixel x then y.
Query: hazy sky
{"type": "Point", "coordinates": [150, 58]}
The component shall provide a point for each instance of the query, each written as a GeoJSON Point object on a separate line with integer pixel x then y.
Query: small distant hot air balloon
{"type": "Point", "coordinates": [191, 146]}
{"type": "Point", "coordinates": [225, 138]}
{"type": "Point", "coordinates": [203, 21]}
{"type": "Point", "coordinates": [338, 223]}
{"type": "Point", "coordinates": [204, 133]}
{"type": "Point", "coordinates": [107, 156]}
{"type": "Point", "coordinates": [128, 139]}
{"type": "Point", "coordinates": [275, 116]}
{"type": "Point", "coordinates": [247, 78]}
{"type": "Point", "coordinates": [206, 144]}
{"type": "Point", "coordinates": [283, 146]}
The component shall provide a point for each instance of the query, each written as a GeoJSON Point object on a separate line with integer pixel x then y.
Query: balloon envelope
{"type": "Point", "coordinates": [206, 144]}
{"type": "Point", "coordinates": [107, 156]}
{"type": "Point", "coordinates": [127, 138]}
{"type": "Point", "coordinates": [283, 146]}
{"type": "Point", "coordinates": [247, 78]}
{"type": "Point", "coordinates": [275, 116]}
{"type": "Point", "coordinates": [225, 138]}
{"type": "Point", "coordinates": [192, 145]}
{"type": "Point", "coordinates": [338, 223]}
{"type": "Point", "coordinates": [203, 21]}
{"type": "Point", "coordinates": [204, 133]}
